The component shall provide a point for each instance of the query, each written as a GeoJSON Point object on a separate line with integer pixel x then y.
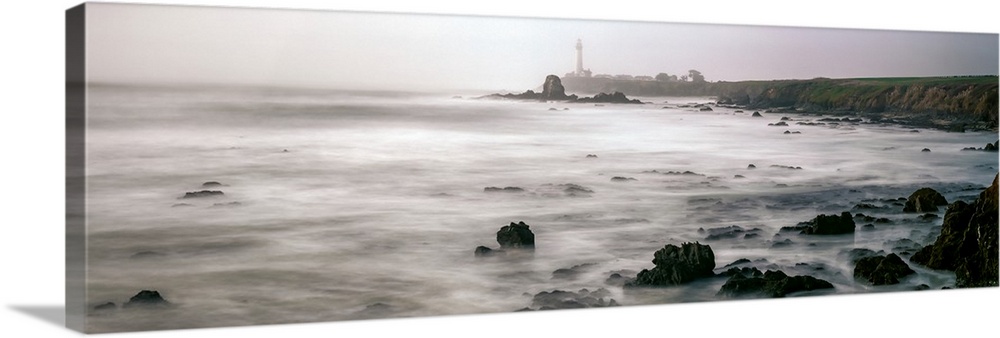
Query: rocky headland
{"type": "Point", "coordinates": [950, 103]}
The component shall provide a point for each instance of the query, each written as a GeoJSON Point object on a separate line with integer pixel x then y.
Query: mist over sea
{"type": "Point", "coordinates": [354, 205]}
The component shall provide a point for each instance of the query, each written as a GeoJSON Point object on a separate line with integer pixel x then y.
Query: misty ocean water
{"type": "Point", "coordinates": [355, 205]}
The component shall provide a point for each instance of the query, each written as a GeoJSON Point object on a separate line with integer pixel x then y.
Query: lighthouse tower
{"type": "Point", "coordinates": [579, 62]}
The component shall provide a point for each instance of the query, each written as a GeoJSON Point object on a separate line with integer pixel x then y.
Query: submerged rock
{"type": "Point", "coordinates": [504, 189]}
{"type": "Point", "coordinates": [516, 236]}
{"type": "Point", "coordinates": [146, 298]}
{"type": "Point", "coordinates": [559, 299]}
{"type": "Point", "coordinates": [751, 283]}
{"type": "Point", "coordinates": [572, 272]}
{"type": "Point", "coordinates": [968, 241]}
{"type": "Point", "coordinates": [924, 200]}
{"type": "Point", "coordinates": [732, 231]}
{"type": "Point", "coordinates": [203, 193]}
{"type": "Point", "coordinates": [615, 97]}
{"type": "Point", "coordinates": [106, 307]}
{"type": "Point", "coordinates": [882, 270]}
{"type": "Point", "coordinates": [678, 265]}
{"type": "Point", "coordinates": [482, 251]}
{"type": "Point", "coordinates": [622, 179]}
{"type": "Point", "coordinates": [211, 184]}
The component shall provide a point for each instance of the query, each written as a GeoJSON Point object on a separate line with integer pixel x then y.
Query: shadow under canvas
{"type": "Point", "coordinates": [53, 314]}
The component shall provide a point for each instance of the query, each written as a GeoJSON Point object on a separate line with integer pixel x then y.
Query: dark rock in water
{"type": "Point", "coordinates": [622, 179]}
{"type": "Point", "coordinates": [751, 166]}
{"type": "Point", "coordinates": [559, 299]}
{"type": "Point", "coordinates": [737, 262]}
{"type": "Point", "coordinates": [616, 97]}
{"type": "Point", "coordinates": [883, 220]}
{"type": "Point", "coordinates": [482, 251]}
{"type": "Point", "coordinates": [868, 227]}
{"type": "Point", "coordinates": [105, 307]}
{"type": "Point", "coordinates": [779, 124]}
{"type": "Point", "coordinates": [203, 193]}
{"type": "Point", "coordinates": [146, 298]}
{"type": "Point", "coordinates": [678, 265]}
{"type": "Point", "coordinates": [858, 253]}
{"type": "Point", "coordinates": [968, 241]}
{"type": "Point", "coordinates": [211, 184]}
{"type": "Point", "coordinates": [781, 244]}
{"type": "Point", "coordinates": [571, 189]}
{"type": "Point", "coordinates": [617, 279]}
{"type": "Point", "coordinates": [732, 231]}
{"type": "Point", "coordinates": [744, 271]}
{"type": "Point", "coordinates": [787, 132]}
{"type": "Point", "coordinates": [785, 118]}
{"type": "Point", "coordinates": [756, 114]}
{"type": "Point", "coordinates": [924, 200]}
{"type": "Point", "coordinates": [991, 146]}
{"type": "Point", "coordinates": [516, 236]}
{"type": "Point", "coordinates": [866, 206]}
{"type": "Point", "coordinates": [751, 235]}
{"type": "Point", "coordinates": [882, 270]}
{"type": "Point", "coordinates": [773, 284]}
{"type": "Point", "coordinates": [686, 172]}
{"type": "Point", "coordinates": [739, 176]}
{"type": "Point", "coordinates": [864, 218]}
{"type": "Point", "coordinates": [926, 150]}
{"type": "Point", "coordinates": [591, 156]}
{"type": "Point", "coordinates": [802, 226]}
{"type": "Point", "coordinates": [829, 224]}
{"type": "Point", "coordinates": [553, 89]}
{"type": "Point", "coordinates": [921, 287]}
{"type": "Point", "coordinates": [705, 109]}
{"type": "Point", "coordinates": [223, 205]}
{"type": "Point", "coordinates": [785, 166]}
{"type": "Point", "coordinates": [504, 189]}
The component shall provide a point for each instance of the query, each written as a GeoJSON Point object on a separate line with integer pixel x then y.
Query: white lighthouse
{"type": "Point", "coordinates": [579, 62]}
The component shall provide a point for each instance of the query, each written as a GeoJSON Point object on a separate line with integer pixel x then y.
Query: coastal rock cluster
{"type": "Point", "coordinates": [553, 90]}
{"type": "Point", "coordinates": [968, 243]}
{"type": "Point", "coordinates": [676, 265]}
{"type": "Point", "coordinates": [751, 283]}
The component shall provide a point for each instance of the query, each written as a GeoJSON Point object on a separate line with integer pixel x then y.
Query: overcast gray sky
{"type": "Point", "coordinates": [136, 43]}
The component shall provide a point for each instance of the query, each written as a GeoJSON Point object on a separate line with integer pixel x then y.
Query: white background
{"type": "Point", "coordinates": [31, 189]}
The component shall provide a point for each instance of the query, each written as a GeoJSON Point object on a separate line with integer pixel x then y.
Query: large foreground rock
{"type": "Point", "coordinates": [924, 200]}
{"type": "Point", "coordinates": [968, 241]}
{"type": "Point", "coordinates": [751, 283]}
{"type": "Point", "coordinates": [678, 265]}
{"type": "Point", "coordinates": [516, 236]}
{"type": "Point", "coordinates": [553, 89]}
{"type": "Point", "coordinates": [882, 270]}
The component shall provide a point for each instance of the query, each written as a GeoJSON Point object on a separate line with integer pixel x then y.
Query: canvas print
{"type": "Point", "coordinates": [244, 166]}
